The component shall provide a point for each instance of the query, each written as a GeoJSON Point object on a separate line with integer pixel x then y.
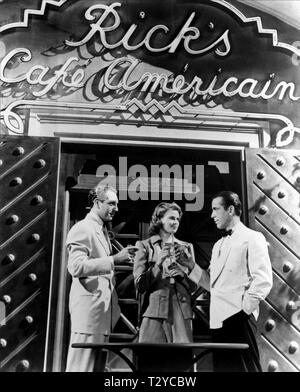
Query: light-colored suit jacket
{"type": "Point", "coordinates": [149, 280]}
{"type": "Point", "coordinates": [93, 302]}
{"type": "Point", "coordinates": [240, 274]}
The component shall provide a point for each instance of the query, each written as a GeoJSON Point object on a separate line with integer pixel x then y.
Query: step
{"type": "Point", "coordinates": [128, 301]}
{"type": "Point", "coordinates": [121, 337]}
{"type": "Point", "coordinates": [202, 302]}
{"type": "Point", "coordinates": [123, 267]}
{"type": "Point", "coordinates": [127, 236]}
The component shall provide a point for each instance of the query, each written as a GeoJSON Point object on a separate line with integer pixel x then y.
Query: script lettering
{"type": "Point", "coordinates": [187, 34]}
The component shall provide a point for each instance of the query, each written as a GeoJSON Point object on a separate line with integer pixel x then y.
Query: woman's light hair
{"type": "Point", "coordinates": [159, 212]}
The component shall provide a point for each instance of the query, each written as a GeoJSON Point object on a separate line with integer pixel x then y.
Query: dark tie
{"type": "Point", "coordinates": [105, 232]}
{"type": "Point", "coordinates": [225, 233]}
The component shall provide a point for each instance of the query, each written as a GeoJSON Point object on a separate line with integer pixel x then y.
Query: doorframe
{"type": "Point", "coordinates": [55, 361]}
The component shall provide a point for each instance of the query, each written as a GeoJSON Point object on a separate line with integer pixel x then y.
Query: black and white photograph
{"type": "Point", "coordinates": [149, 189]}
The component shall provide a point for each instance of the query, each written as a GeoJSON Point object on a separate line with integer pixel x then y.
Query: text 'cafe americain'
{"type": "Point", "coordinates": [168, 101]}
{"type": "Point", "coordinates": [120, 73]}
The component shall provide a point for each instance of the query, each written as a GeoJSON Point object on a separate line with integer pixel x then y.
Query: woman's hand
{"type": "Point", "coordinates": [164, 254]}
{"type": "Point", "coordinates": [174, 271]}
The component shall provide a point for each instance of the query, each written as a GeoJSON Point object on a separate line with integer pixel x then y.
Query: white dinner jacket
{"type": "Point", "coordinates": [93, 302]}
{"type": "Point", "coordinates": [240, 274]}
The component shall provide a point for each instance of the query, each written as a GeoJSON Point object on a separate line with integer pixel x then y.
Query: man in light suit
{"type": "Point", "coordinates": [93, 302]}
{"type": "Point", "coordinates": [239, 277]}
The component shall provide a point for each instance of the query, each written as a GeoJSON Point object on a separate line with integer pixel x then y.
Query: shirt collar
{"type": "Point", "coordinates": [92, 215]}
{"type": "Point", "coordinates": [236, 227]}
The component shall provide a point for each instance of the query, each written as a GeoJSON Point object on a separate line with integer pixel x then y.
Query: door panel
{"type": "Point", "coordinates": [281, 298]}
{"type": "Point", "coordinates": [273, 179]}
{"type": "Point", "coordinates": [278, 363]}
{"type": "Point", "coordinates": [280, 334]}
{"type": "Point", "coordinates": [33, 204]}
{"type": "Point", "coordinates": [284, 262]}
{"type": "Point", "coordinates": [28, 182]}
{"type": "Point", "coordinates": [276, 221]}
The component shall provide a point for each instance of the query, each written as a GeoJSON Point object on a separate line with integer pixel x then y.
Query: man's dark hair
{"type": "Point", "coordinates": [230, 199]}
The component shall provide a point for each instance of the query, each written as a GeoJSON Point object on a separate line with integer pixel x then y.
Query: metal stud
{"type": "Point", "coordinates": [7, 299]}
{"type": "Point", "coordinates": [281, 194]}
{"type": "Point", "coordinates": [16, 181]}
{"type": "Point", "coordinates": [280, 161]}
{"type": "Point", "coordinates": [12, 219]}
{"type": "Point", "coordinates": [29, 319]}
{"type": "Point", "coordinates": [211, 26]}
{"type": "Point", "coordinates": [39, 164]}
{"type": "Point", "coordinates": [35, 237]}
{"type": "Point", "coordinates": [36, 200]}
{"type": "Point", "coordinates": [10, 258]}
{"type": "Point", "coordinates": [32, 277]}
{"type": "Point", "coordinates": [25, 364]}
{"type": "Point", "coordinates": [287, 267]}
{"type": "Point", "coordinates": [1, 162]}
{"type": "Point", "coordinates": [18, 151]}
{"type": "Point", "coordinates": [270, 325]}
{"type": "Point", "coordinates": [263, 210]}
{"type": "Point", "coordinates": [272, 366]}
{"type": "Point", "coordinates": [293, 347]}
{"type": "Point", "coordinates": [261, 174]}
{"type": "Point", "coordinates": [290, 305]}
{"type": "Point", "coordinates": [3, 343]}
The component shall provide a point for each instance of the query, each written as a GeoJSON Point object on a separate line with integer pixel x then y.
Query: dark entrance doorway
{"type": "Point", "coordinates": [222, 169]}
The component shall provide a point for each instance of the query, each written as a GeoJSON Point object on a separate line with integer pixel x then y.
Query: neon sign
{"type": "Point", "coordinates": [39, 75]}
{"type": "Point", "coordinates": [231, 86]}
{"type": "Point", "coordinates": [187, 34]}
{"type": "Point", "coordinates": [122, 74]}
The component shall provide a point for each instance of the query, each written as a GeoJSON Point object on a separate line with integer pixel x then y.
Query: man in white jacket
{"type": "Point", "coordinates": [93, 302]}
{"type": "Point", "coordinates": [239, 277]}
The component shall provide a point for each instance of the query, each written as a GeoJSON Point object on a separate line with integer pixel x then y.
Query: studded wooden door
{"type": "Point", "coordinates": [28, 182]}
{"type": "Point", "coordinates": [273, 178]}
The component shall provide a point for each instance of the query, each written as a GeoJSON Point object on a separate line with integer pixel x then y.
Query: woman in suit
{"type": "Point", "coordinates": [164, 284]}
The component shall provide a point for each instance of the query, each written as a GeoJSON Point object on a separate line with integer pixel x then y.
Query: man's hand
{"type": "Point", "coordinates": [184, 256]}
{"type": "Point", "coordinates": [126, 255]}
